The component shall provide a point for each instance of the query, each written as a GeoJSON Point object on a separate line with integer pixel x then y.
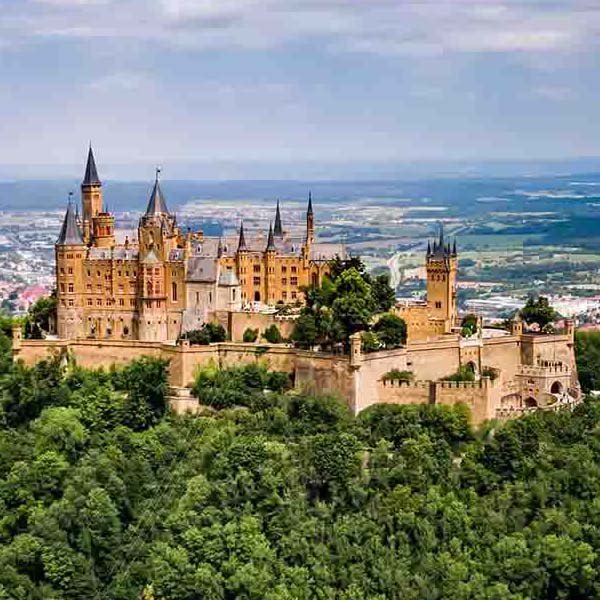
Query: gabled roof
{"type": "Point", "coordinates": [157, 204]}
{"type": "Point", "coordinates": [69, 233]}
{"type": "Point", "coordinates": [91, 173]}
{"type": "Point", "coordinates": [150, 258]}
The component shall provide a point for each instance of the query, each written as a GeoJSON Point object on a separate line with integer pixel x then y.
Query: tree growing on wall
{"type": "Point", "coordinates": [538, 311]}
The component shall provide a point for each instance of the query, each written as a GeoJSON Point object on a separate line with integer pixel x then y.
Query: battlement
{"type": "Point", "coordinates": [546, 369]}
{"type": "Point", "coordinates": [403, 383]}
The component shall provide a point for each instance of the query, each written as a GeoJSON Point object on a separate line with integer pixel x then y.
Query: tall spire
{"type": "Point", "coordinates": [157, 204]}
{"type": "Point", "coordinates": [441, 242]}
{"type": "Point", "coordinates": [220, 248]}
{"type": "Point", "coordinates": [242, 241]}
{"type": "Point", "coordinates": [428, 248]}
{"type": "Point", "coordinates": [309, 210]}
{"type": "Point", "coordinates": [278, 231]}
{"type": "Point", "coordinates": [69, 233]}
{"type": "Point", "coordinates": [270, 240]}
{"type": "Point", "coordinates": [454, 248]}
{"type": "Point", "coordinates": [91, 173]}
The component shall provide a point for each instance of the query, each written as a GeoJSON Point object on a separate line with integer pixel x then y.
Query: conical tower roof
{"type": "Point", "coordinates": [278, 231]}
{"type": "Point", "coordinates": [270, 240]}
{"type": "Point", "coordinates": [157, 204]}
{"type": "Point", "coordinates": [91, 173]}
{"type": "Point", "coordinates": [69, 235]}
{"type": "Point", "coordinates": [242, 241]}
{"type": "Point", "coordinates": [309, 210]}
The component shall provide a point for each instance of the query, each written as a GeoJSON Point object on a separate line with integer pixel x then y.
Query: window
{"type": "Point", "coordinates": [62, 271]}
{"type": "Point", "coordinates": [98, 273]}
{"type": "Point", "coordinates": [89, 273]}
{"type": "Point", "coordinates": [125, 330]}
{"type": "Point", "coordinates": [284, 281]}
{"type": "Point", "coordinates": [89, 302]}
{"type": "Point", "coordinates": [197, 297]}
{"type": "Point", "coordinates": [284, 295]}
{"type": "Point", "coordinates": [62, 287]}
{"type": "Point", "coordinates": [88, 288]}
{"type": "Point", "coordinates": [256, 280]}
{"type": "Point", "coordinates": [119, 273]}
{"type": "Point", "coordinates": [71, 302]}
{"type": "Point", "coordinates": [257, 268]}
{"type": "Point", "coordinates": [71, 288]}
{"type": "Point", "coordinates": [121, 302]}
{"type": "Point", "coordinates": [438, 304]}
{"type": "Point", "coordinates": [233, 294]}
{"type": "Point", "coordinates": [131, 302]}
{"type": "Point", "coordinates": [284, 269]}
{"type": "Point", "coordinates": [210, 297]}
{"type": "Point", "coordinates": [174, 291]}
{"type": "Point", "coordinates": [294, 281]}
{"type": "Point", "coordinates": [157, 271]}
{"type": "Point", "coordinates": [294, 269]}
{"type": "Point", "coordinates": [294, 295]}
{"type": "Point", "coordinates": [70, 270]}
{"type": "Point", "coordinates": [99, 288]}
{"type": "Point", "coordinates": [98, 302]}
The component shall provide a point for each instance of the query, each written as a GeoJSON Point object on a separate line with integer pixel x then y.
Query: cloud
{"type": "Point", "coordinates": [370, 26]}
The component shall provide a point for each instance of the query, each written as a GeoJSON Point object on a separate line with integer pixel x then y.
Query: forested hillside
{"type": "Point", "coordinates": [278, 495]}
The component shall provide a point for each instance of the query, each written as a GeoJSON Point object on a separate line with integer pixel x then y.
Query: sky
{"type": "Point", "coordinates": [226, 82]}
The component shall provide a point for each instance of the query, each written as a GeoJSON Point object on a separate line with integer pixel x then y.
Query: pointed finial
{"type": "Point", "coordinates": [242, 240]}
{"type": "Point", "coordinates": [309, 210]}
{"type": "Point", "coordinates": [454, 248]}
{"type": "Point", "coordinates": [278, 230]}
{"type": "Point", "coordinates": [428, 248]}
{"type": "Point", "coordinates": [441, 243]}
{"type": "Point", "coordinates": [157, 173]}
{"type": "Point", "coordinates": [270, 239]}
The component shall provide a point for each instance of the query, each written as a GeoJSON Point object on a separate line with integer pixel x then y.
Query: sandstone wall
{"type": "Point", "coordinates": [434, 360]}
{"type": "Point", "coordinates": [404, 392]}
{"type": "Point", "coordinates": [237, 322]}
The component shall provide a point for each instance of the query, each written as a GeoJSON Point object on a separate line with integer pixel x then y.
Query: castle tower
{"type": "Point", "coordinates": [69, 251]}
{"type": "Point", "coordinates": [242, 262]}
{"type": "Point", "coordinates": [91, 195]}
{"type": "Point", "coordinates": [310, 221]}
{"type": "Point", "coordinates": [441, 281]}
{"type": "Point", "coordinates": [157, 230]}
{"type": "Point", "coordinates": [270, 258]}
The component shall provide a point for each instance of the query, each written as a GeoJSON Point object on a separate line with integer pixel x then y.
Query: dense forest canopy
{"type": "Point", "coordinates": [274, 494]}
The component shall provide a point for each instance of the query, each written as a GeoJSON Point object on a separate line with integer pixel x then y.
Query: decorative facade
{"type": "Point", "coordinates": [165, 282]}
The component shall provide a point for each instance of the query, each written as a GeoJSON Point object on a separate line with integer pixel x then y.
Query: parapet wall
{"type": "Point", "coordinates": [480, 396]}
{"type": "Point", "coordinates": [358, 379]}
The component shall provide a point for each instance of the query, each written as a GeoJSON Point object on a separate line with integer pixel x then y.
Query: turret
{"type": "Point", "coordinates": [242, 247]}
{"type": "Point", "coordinates": [270, 240]}
{"type": "Point", "coordinates": [278, 230]}
{"type": "Point", "coordinates": [310, 221]}
{"type": "Point", "coordinates": [441, 264]}
{"type": "Point", "coordinates": [91, 195]}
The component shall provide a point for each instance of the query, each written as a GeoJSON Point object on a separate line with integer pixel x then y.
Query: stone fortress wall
{"type": "Point", "coordinates": [532, 371]}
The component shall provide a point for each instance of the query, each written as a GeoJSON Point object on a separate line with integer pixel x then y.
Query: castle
{"type": "Point", "coordinates": [166, 282]}
{"type": "Point", "coordinates": [123, 299]}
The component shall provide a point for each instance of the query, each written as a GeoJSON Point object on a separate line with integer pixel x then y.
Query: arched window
{"type": "Point", "coordinates": [174, 292]}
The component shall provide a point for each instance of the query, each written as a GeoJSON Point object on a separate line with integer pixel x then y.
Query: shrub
{"type": "Point", "coordinates": [464, 373]}
{"type": "Point", "coordinates": [489, 372]}
{"type": "Point", "coordinates": [250, 335]}
{"type": "Point", "coordinates": [370, 342]}
{"type": "Point", "coordinates": [397, 375]}
{"type": "Point", "coordinates": [273, 335]}
{"type": "Point", "coordinates": [209, 333]}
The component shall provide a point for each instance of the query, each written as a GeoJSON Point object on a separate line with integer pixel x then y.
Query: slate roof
{"type": "Point", "coordinates": [69, 235]}
{"type": "Point", "coordinates": [91, 173]}
{"type": "Point", "coordinates": [157, 204]}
